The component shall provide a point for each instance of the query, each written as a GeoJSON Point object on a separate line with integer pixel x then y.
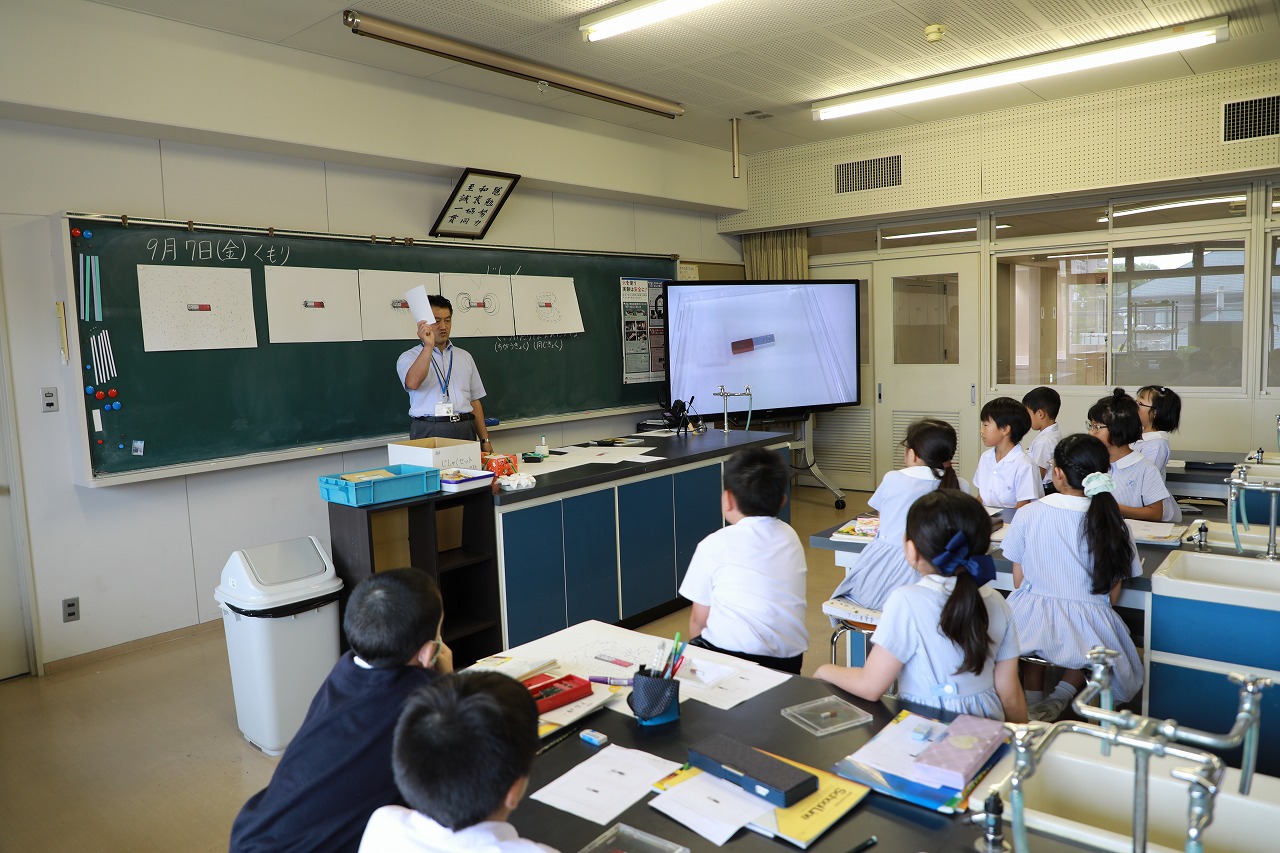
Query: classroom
{"type": "Point", "coordinates": [279, 117]}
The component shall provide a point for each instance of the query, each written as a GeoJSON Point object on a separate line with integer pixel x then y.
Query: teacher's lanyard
{"type": "Point", "coordinates": [444, 378]}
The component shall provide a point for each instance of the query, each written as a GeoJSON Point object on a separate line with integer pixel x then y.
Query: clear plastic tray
{"type": "Point", "coordinates": [827, 715]}
{"type": "Point", "coordinates": [621, 838]}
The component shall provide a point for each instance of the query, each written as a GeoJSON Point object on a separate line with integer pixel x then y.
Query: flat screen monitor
{"type": "Point", "coordinates": [794, 342]}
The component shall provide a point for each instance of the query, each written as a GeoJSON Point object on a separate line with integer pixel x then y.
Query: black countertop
{"type": "Point", "coordinates": [672, 451]}
{"type": "Point", "coordinates": [900, 826]}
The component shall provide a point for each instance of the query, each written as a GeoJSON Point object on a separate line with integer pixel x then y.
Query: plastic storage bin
{"type": "Point", "coordinates": [407, 481]}
{"type": "Point", "coordinates": [280, 613]}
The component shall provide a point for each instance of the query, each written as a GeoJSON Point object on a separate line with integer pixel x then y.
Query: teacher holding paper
{"type": "Point", "coordinates": [443, 383]}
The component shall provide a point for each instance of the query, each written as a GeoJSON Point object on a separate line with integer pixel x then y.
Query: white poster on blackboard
{"type": "Point", "coordinates": [644, 331]}
{"type": "Point", "coordinates": [545, 305]}
{"type": "Point", "coordinates": [312, 304]}
{"type": "Point", "coordinates": [187, 308]}
{"type": "Point", "coordinates": [385, 313]}
{"type": "Point", "coordinates": [481, 304]}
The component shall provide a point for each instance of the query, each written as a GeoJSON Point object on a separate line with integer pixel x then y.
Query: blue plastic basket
{"type": "Point", "coordinates": [408, 481]}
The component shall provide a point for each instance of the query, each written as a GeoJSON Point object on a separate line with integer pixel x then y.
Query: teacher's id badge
{"type": "Point", "coordinates": [444, 409]}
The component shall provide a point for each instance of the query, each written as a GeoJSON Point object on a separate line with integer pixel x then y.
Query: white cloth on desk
{"type": "Point", "coordinates": [1138, 483]}
{"type": "Point", "coordinates": [882, 566]}
{"type": "Point", "coordinates": [396, 829]}
{"type": "Point", "coordinates": [908, 630]}
{"type": "Point", "coordinates": [1041, 451]}
{"type": "Point", "coordinates": [459, 370]}
{"type": "Point", "coordinates": [1009, 481]}
{"type": "Point", "coordinates": [752, 576]}
{"type": "Point", "coordinates": [1154, 446]}
{"type": "Point", "coordinates": [1058, 618]}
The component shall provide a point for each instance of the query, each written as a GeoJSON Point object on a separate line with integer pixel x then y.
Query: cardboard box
{"type": "Point", "coordinates": [449, 528]}
{"type": "Point", "coordinates": [435, 453]}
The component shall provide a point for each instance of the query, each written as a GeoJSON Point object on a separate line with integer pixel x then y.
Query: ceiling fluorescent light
{"type": "Point", "coordinates": [935, 233]}
{"type": "Point", "coordinates": [1097, 55]}
{"type": "Point", "coordinates": [394, 33]}
{"type": "Point", "coordinates": [1170, 205]}
{"type": "Point", "coordinates": [625, 17]}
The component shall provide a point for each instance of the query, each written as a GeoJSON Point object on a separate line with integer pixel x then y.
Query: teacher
{"type": "Point", "coordinates": [443, 383]}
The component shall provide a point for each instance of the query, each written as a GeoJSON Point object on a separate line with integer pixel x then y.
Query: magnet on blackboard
{"type": "Point", "coordinates": [99, 394]}
{"type": "Point", "coordinates": [88, 389]}
{"type": "Point", "coordinates": [116, 406]}
{"type": "Point", "coordinates": [75, 232]}
{"type": "Point", "coordinates": [111, 392]}
{"type": "Point", "coordinates": [88, 235]}
{"type": "Point", "coordinates": [120, 446]}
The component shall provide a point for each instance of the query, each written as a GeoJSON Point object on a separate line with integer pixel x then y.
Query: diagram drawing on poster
{"type": "Point", "coordinates": [481, 304]}
{"type": "Point", "coordinates": [546, 305]}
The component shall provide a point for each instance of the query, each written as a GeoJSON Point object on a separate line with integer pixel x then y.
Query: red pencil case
{"type": "Point", "coordinates": [551, 691]}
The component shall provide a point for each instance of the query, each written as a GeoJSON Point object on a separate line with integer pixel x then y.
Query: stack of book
{"type": "Point", "coordinates": [862, 529]}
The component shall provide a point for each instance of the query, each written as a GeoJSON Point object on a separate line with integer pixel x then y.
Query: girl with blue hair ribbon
{"type": "Point", "coordinates": [1071, 552]}
{"type": "Point", "coordinates": [949, 638]}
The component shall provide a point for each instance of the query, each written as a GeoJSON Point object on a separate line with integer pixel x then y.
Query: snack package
{"type": "Point", "coordinates": [502, 464]}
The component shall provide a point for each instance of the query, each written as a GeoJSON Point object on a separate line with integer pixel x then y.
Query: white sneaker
{"type": "Point", "coordinates": [1048, 710]}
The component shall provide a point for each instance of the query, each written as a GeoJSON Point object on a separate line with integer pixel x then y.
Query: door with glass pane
{"type": "Point", "coordinates": [926, 317]}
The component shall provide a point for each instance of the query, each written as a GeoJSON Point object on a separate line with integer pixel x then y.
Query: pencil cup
{"type": "Point", "coordinates": [654, 700]}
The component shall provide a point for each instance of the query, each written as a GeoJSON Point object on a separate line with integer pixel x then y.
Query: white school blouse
{"type": "Point", "coordinates": [396, 829]}
{"type": "Point", "coordinates": [1041, 451]}
{"type": "Point", "coordinates": [1154, 446]}
{"type": "Point", "coordinates": [1009, 481]}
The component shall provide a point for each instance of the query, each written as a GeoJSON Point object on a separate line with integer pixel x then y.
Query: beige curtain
{"type": "Point", "coordinates": [776, 254]}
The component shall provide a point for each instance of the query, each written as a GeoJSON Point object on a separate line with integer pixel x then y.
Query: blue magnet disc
{"type": "Point", "coordinates": [88, 389]}
{"type": "Point", "coordinates": [115, 406]}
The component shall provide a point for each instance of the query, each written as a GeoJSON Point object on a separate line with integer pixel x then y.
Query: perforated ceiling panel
{"type": "Point", "coordinates": [1051, 147]}
{"type": "Point", "coordinates": [941, 165]}
{"type": "Point", "coordinates": [1174, 129]}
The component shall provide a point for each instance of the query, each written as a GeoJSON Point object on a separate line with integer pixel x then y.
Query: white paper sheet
{"type": "Point", "coordinates": [738, 687]}
{"type": "Point", "coordinates": [190, 308]}
{"type": "Point", "coordinates": [545, 305]}
{"type": "Point", "coordinates": [606, 784]}
{"type": "Point", "coordinates": [385, 313]}
{"type": "Point", "coordinates": [312, 304]}
{"type": "Point", "coordinates": [711, 807]}
{"type": "Point", "coordinates": [894, 749]}
{"type": "Point", "coordinates": [419, 305]}
{"type": "Point", "coordinates": [481, 304]}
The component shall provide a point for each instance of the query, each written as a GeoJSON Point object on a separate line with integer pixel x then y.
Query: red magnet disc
{"type": "Point", "coordinates": [99, 441]}
{"type": "Point", "coordinates": [75, 232]}
{"type": "Point", "coordinates": [100, 395]}
{"type": "Point", "coordinates": [113, 392]}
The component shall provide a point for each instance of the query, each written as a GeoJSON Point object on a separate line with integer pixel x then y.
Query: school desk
{"type": "Point", "coordinates": [900, 826]}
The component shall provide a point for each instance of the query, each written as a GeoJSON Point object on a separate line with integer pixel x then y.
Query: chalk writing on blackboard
{"type": "Point", "coordinates": [227, 251]}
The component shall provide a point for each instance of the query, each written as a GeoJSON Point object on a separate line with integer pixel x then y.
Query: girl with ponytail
{"type": "Point", "coordinates": [948, 638]}
{"type": "Point", "coordinates": [1071, 552]}
{"type": "Point", "coordinates": [929, 448]}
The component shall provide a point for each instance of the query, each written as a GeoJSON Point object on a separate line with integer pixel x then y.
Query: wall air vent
{"type": "Point", "coordinates": [869, 174]}
{"type": "Point", "coordinates": [1251, 119]}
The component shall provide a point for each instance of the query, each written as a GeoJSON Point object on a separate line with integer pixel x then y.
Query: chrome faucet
{"type": "Point", "coordinates": [1201, 536]}
{"type": "Point", "coordinates": [1146, 737]}
{"type": "Point", "coordinates": [1239, 482]}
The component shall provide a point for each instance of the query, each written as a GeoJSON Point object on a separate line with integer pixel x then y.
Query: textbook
{"type": "Point", "coordinates": [954, 760]}
{"type": "Point", "coordinates": [862, 529]}
{"type": "Point", "coordinates": [517, 668]}
{"type": "Point", "coordinates": [802, 823]}
{"type": "Point", "coordinates": [874, 763]}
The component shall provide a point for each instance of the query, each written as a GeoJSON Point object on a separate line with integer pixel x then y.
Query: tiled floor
{"type": "Point", "coordinates": [141, 752]}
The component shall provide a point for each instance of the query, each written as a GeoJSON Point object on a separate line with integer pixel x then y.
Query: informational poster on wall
{"type": "Point", "coordinates": [644, 331]}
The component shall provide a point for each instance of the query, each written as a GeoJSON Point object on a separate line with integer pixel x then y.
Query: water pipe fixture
{"type": "Point", "coordinates": [1239, 482]}
{"type": "Point", "coordinates": [1146, 737]}
{"type": "Point", "coordinates": [725, 395]}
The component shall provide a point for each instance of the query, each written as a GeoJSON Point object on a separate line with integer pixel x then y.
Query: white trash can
{"type": "Point", "coordinates": [280, 613]}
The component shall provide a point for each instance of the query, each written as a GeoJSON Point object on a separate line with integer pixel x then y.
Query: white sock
{"type": "Point", "coordinates": [1034, 696]}
{"type": "Point", "coordinates": [1065, 691]}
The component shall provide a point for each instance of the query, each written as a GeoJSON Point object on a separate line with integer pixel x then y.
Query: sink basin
{"type": "Point", "coordinates": [1268, 469]}
{"type": "Point", "coordinates": [1253, 540]}
{"type": "Point", "coordinates": [1236, 580]}
{"type": "Point", "coordinates": [1082, 796]}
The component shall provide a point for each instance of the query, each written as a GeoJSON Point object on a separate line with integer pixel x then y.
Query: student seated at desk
{"type": "Point", "coordinates": [949, 638]}
{"type": "Point", "coordinates": [1070, 553]}
{"type": "Point", "coordinates": [1160, 410]}
{"type": "Point", "coordinates": [1006, 476]}
{"type": "Point", "coordinates": [337, 768]}
{"type": "Point", "coordinates": [747, 580]}
{"type": "Point", "coordinates": [464, 747]}
{"type": "Point", "coordinates": [1140, 490]}
{"type": "Point", "coordinates": [929, 448]}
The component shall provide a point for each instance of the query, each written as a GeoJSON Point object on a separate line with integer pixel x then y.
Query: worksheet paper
{"type": "Point", "coordinates": [711, 807]}
{"type": "Point", "coordinates": [737, 687]}
{"type": "Point", "coordinates": [606, 784]}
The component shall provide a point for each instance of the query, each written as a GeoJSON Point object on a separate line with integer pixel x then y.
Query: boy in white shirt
{"type": "Point", "coordinates": [1042, 405]}
{"type": "Point", "coordinates": [1005, 476]}
{"type": "Point", "coordinates": [464, 747]}
{"type": "Point", "coordinates": [747, 580]}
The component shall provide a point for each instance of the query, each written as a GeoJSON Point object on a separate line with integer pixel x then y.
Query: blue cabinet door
{"type": "Point", "coordinates": [533, 572]}
{"type": "Point", "coordinates": [697, 512]}
{"type": "Point", "coordinates": [1208, 701]}
{"type": "Point", "coordinates": [646, 544]}
{"type": "Point", "coordinates": [591, 557]}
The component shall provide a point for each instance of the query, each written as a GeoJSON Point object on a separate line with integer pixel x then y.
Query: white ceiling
{"type": "Point", "coordinates": [763, 61]}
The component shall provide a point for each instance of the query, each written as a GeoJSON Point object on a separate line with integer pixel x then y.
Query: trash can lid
{"type": "Point", "coordinates": [280, 573]}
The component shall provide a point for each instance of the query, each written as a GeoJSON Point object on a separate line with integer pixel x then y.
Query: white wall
{"type": "Point", "coordinates": [144, 558]}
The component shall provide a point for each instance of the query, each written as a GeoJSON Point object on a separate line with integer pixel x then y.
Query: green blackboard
{"type": "Point", "coordinates": [171, 408]}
